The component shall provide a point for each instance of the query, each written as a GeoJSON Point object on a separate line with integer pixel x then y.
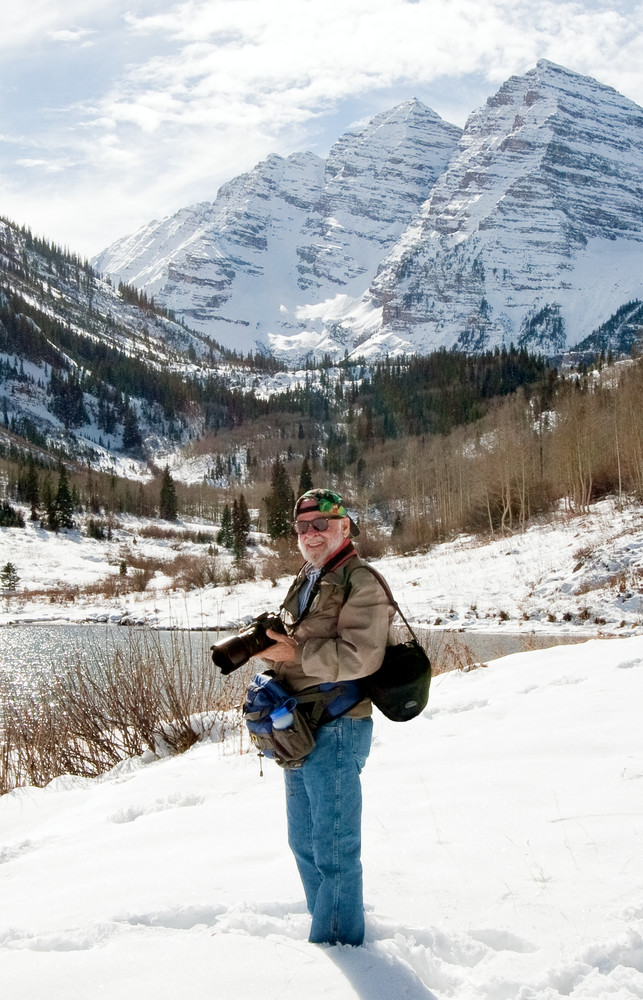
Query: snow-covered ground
{"type": "Point", "coordinates": [503, 828]}
{"type": "Point", "coordinates": [579, 574]}
{"type": "Point", "coordinates": [503, 857]}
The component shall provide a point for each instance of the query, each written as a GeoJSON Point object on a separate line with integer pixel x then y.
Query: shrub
{"type": "Point", "coordinates": [284, 560]}
{"type": "Point", "coordinates": [373, 543]}
{"type": "Point", "coordinates": [96, 529]}
{"type": "Point", "coordinates": [117, 702]}
{"type": "Point", "coordinates": [140, 578]}
{"type": "Point", "coordinates": [10, 517]}
{"type": "Point", "coordinates": [197, 571]}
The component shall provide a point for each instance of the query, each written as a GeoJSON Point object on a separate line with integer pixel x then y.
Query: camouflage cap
{"type": "Point", "coordinates": [326, 502]}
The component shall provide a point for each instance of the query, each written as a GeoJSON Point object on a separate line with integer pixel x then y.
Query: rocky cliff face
{"type": "Point", "coordinates": [534, 233]}
{"type": "Point", "coordinates": [528, 227]}
{"type": "Point", "coordinates": [291, 235]}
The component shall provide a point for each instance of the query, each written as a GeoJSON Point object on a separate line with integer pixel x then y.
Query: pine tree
{"type": "Point", "coordinates": [240, 526]}
{"type": "Point", "coordinates": [279, 502]}
{"type": "Point", "coordinates": [132, 439]}
{"type": "Point", "coordinates": [64, 502]}
{"type": "Point", "coordinates": [49, 503]}
{"type": "Point", "coordinates": [32, 492]}
{"type": "Point", "coordinates": [92, 498]}
{"type": "Point", "coordinates": [225, 536]}
{"type": "Point", "coordinates": [168, 503]}
{"type": "Point", "coordinates": [305, 477]}
{"type": "Point", "coordinates": [9, 517]}
{"type": "Point", "coordinates": [9, 577]}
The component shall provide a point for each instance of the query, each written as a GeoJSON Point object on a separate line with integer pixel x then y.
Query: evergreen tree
{"type": "Point", "coordinates": [64, 501]}
{"type": "Point", "coordinates": [92, 498]}
{"type": "Point", "coordinates": [240, 526]}
{"type": "Point", "coordinates": [279, 502]}
{"type": "Point", "coordinates": [225, 536]}
{"type": "Point", "coordinates": [132, 439]}
{"type": "Point", "coordinates": [32, 491]}
{"type": "Point", "coordinates": [168, 503]}
{"type": "Point", "coordinates": [10, 517]}
{"type": "Point", "coordinates": [49, 503]}
{"type": "Point", "coordinates": [9, 577]}
{"type": "Point", "coordinates": [305, 478]}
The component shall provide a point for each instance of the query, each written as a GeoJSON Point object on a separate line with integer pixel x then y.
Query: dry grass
{"type": "Point", "coordinates": [448, 653]}
{"type": "Point", "coordinates": [116, 703]}
{"type": "Point", "coordinates": [156, 531]}
{"type": "Point", "coordinates": [285, 560]}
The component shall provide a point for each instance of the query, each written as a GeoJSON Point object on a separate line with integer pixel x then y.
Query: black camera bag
{"type": "Point", "coordinates": [400, 688]}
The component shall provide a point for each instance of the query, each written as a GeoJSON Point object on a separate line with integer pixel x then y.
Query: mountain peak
{"type": "Point", "coordinates": [412, 235]}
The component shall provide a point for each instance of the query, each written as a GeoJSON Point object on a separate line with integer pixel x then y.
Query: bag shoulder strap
{"type": "Point", "coordinates": [388, 592]}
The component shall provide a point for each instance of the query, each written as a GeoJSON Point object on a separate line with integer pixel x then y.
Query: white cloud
{"type": "Point", "coordinates": [290, 60]}
{"type": "Point", "coordinates": [191, 93]}
{"type": "Point", "coordinates": [29, 24]}
{"type": "Point", "coordinates": [72, 35]}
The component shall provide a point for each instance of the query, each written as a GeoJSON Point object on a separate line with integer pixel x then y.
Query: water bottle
{"type": "Point", "coordinates": [282, 716]}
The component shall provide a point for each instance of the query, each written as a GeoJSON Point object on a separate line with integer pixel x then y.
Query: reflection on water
{"type": "Point", "coordinates": [31, 650]}
{"type": "Point", "coordinates": [454, 650]}
{"type": "Point", "coordinates": [28, 651]}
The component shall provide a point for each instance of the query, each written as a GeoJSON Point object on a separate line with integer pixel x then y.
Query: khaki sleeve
{"type": "Point", "coordinates": [362, 632]}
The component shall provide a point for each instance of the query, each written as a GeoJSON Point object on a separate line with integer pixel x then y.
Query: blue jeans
{"type": "Point", "coordinates": [324, 811]}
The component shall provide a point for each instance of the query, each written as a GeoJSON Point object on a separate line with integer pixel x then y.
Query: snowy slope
{"type": "Point", "coordinates": [574, 575]}
{"type": "Point", "coordinates": [503, 858]}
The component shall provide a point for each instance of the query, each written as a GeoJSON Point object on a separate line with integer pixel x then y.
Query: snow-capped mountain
{"type": "Point", "coordinates": [287, 247]}
{"type": "Point", "coordinates": [535, 231]}
{"type": "Point", "coordinates": [527, 227]}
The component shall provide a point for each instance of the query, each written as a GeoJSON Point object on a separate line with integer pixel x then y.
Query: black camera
{"type": "Point", "coordinates": [231, 653]}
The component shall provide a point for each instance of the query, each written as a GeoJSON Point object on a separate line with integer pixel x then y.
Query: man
{"type": "Point", "coordinates": [339, 618]}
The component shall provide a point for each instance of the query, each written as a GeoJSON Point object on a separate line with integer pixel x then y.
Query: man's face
{"type": "Point", "coordinates": [318, 546]}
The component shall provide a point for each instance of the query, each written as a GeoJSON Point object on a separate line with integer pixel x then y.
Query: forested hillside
{"type": "Point", "coordinates": [103, 385]}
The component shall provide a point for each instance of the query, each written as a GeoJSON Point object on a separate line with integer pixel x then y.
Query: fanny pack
{"type": "Point", "coordinates": [282, 725]}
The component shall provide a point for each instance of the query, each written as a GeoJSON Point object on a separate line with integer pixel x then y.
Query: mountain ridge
{"type": "Point", "coordinates": [543, 203]}
{"type": "Point", "coordinates": [327, 223]}
{"type": "Point", "coordinates": [414, 234]}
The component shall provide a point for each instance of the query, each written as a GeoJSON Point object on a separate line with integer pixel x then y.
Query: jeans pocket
{"type": "Point", "coordinates": [362, 733]}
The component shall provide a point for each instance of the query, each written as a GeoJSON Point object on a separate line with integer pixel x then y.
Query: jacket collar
{"type": "Point", "coordinates": [336, 561]}
{"type": "Point", "coordinates": [338, 558]}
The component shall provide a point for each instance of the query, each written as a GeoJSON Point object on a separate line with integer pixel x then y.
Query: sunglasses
{"type": "Point", "coordinates": [318, 523]}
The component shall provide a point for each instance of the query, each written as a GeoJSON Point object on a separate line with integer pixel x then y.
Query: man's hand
{"type": "Point", "coordinates": [284, 649]}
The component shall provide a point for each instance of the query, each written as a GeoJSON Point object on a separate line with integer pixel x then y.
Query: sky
{"type": "Point", "coordinates": [118, 112]}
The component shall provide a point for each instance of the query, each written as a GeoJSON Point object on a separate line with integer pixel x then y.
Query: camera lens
{"type": "Point", "coordinates": [233, 652]}
{"type": "Point", "coordinates": [228, 654]}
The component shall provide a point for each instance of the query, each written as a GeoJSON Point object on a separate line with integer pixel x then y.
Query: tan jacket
{"type": "Point", "coordinates": [345, 633]}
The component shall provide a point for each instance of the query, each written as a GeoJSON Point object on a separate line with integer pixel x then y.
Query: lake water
{"type": "Point", "coordinates": [454, 650]}
{"type": "Point", "coordinates": [39, 647]}
{"type": "Point", "coordinates": [26, 650]}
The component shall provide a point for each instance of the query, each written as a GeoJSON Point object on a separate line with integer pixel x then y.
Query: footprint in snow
{"type": "Point", "coordinates": [131, 813]}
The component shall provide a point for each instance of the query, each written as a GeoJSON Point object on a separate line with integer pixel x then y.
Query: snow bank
{"type": "Point", "coordinates": [503, 857]}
